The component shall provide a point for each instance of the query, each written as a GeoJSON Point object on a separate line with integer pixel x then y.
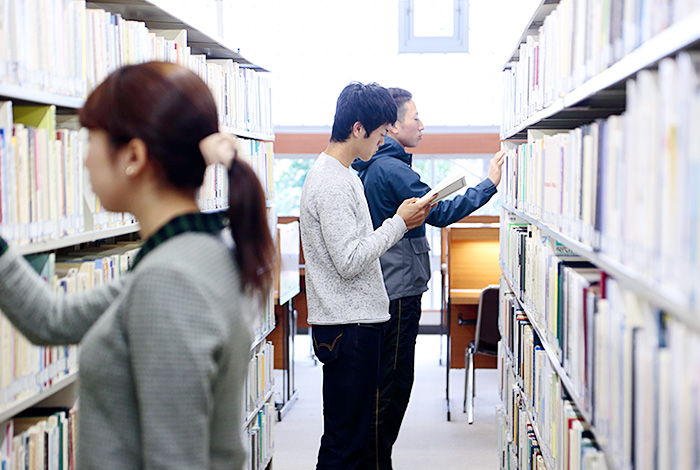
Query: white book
{"type": "Point", "coordinates": [446, 187]}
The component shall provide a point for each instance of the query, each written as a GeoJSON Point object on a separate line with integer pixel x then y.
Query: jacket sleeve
{"type": "Point", "coordinates": [450, 211]}
{"type": "Point", "coordinates": [44, 317]}
{"type": "Point", "coordinates": [406, 183]}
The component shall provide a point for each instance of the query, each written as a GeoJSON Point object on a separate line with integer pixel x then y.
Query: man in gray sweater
{"type": "Point", "coordinates": [347, 300]}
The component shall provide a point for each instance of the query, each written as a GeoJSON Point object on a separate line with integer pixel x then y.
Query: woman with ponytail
{"type": "Point", "coordinates": [165, 349]}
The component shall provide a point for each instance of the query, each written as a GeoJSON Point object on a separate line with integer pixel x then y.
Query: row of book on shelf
{"type": "Point", "coordinates": [44, 191]}
{"type": "Point", "coordinates": [633, 370]}
{"type": "Point", "coordinates": [261, 437]}
{"type": "Point", "coordinates": [578, 40]}
{"type": "Point", "coordinates": [259, 406]}
{"type": "Point", "coordinates": [25, 368]}
{"type": "Point", "coordinates": [256, 153]}
{"type": "Point", "coordinates": [65, 48]}
{"type": "Point", "coordinates": [564, 441]}
{"type": "Point", "coordinates": [626, 185]}
{"type": "Point", "coordinates": [260, 379]}
{"type": "Point", "coordinates": [41, 438]}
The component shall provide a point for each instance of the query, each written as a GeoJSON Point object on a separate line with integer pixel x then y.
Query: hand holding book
{"type": "Point", "coordinates": [414, 211]}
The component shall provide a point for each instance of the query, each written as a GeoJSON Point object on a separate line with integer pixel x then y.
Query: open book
{"type": "Point", "coordinates": [446, 187]}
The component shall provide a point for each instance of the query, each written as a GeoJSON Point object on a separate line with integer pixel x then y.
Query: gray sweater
{"type": "Point", "coordinates": [344, 281]}
{"type": "Point", "coordinates": [163, 358]}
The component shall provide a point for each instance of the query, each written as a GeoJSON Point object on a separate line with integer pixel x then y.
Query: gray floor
{"type": "Point", "coordinates": [427, 439]}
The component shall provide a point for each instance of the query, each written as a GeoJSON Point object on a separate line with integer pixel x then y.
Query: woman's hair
{"type": "Point", "coordinates": [171, 110]}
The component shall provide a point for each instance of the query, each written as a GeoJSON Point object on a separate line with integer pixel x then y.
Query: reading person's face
{"type": "Point", "coordinates": [371, 144]}
{"type": "Point", "coordinates": [409, 131]}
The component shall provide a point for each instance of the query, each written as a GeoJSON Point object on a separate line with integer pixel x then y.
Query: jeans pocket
{"type": "Point", "coordinates": [327, 342]}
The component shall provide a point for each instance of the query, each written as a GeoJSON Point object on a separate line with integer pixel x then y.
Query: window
{"type": "Point", "coordinates": [433, 169]}
{"type": "Point", "coordinates": [433, 26]}
{"type": "Point", "coordinates": [290, 174]}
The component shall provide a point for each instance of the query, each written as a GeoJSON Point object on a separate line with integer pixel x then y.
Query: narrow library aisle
{"type": "Point", "coordinates": [427, 439]}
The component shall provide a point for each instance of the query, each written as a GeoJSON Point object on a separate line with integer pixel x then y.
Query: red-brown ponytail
{"type": "Point", "coordinates": [247, 212]}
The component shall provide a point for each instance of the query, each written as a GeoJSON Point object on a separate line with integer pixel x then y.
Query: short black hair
{"type": "Point", "coordinates": [371, 105]}
{"type": "Point", "coordinates": [401, 97]}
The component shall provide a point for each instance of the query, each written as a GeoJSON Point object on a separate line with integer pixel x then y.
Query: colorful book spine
{"type": "Point", "coordinates": [628, 368]}
{"type": "Point", "coordinates": [577, 41]}
{"type": "Point", "coordinates": [43, 438]}
{"type": "Point", "coordinates": [213, 195]}
{"type": "Point", "coordinates": [626, 185]}
{"type": "Point", "coordinates": [63, 47]}
{"type": "Point", "coordinates": [26, 369]}
{"type": "Point", "coordinates": [260, 406]}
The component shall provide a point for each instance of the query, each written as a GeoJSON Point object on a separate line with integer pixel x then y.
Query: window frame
{"type": "Point", "coordinates": [410, 43]}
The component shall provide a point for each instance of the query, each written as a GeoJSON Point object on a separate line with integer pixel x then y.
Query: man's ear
{"type": "Point", "coordinates": [394, 128]}
{"type": "Point", "coordinates": [358, 130]}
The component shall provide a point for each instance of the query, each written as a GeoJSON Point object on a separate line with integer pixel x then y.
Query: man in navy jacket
{"type": "Point", "coordinates": [389, 179]}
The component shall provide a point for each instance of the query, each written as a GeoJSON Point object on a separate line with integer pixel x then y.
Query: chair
{"type": "Point", "coordinates": [485, 342]}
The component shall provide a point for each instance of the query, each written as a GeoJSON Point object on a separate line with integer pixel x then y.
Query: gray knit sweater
{"type": "Point", "coordinates": [344, 281]}
{"type": "Point", "coordinates": [164, 353]}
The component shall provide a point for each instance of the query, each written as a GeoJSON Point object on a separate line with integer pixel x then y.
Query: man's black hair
{"type": "Point", "coordinates": [401, 97]}
{"type": "Point", "coordinates": [371, 105]}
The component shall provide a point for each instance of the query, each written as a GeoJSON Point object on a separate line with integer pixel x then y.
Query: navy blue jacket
{"type": "Point", "coordinates": [388, 180]}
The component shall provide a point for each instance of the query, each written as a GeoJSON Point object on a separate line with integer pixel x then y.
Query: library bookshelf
{"type": "Point", "coordinates": [47, 69]}
{"type": "Point", "coordinates": [599, 237]}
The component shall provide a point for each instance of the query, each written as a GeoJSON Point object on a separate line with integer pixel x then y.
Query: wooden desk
{"type": "Point", "coordinates": [471, 251]}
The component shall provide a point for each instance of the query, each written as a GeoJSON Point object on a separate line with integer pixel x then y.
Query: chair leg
{"type": "Point", "coordinates": [466, 379]}
{"type": "Point", "coordinates": [473, 379]}
{"type": "Point", "coordinates": [472, 388]}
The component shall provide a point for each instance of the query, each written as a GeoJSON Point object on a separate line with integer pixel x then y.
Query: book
{"type": "Point", "coordinates": [445, 188]}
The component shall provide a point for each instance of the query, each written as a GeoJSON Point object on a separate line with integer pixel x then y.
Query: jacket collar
{"type": "Point", "coordinates": [391, 148]}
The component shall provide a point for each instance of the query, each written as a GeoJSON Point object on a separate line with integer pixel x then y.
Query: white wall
{"type": "Point", "coordinates": [316, 47]}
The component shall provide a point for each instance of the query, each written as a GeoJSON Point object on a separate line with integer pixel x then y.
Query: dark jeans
{"type": "Point", "coordinates": [350, 357]}
{"type": "Point", "coordinates": [395, 378]}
